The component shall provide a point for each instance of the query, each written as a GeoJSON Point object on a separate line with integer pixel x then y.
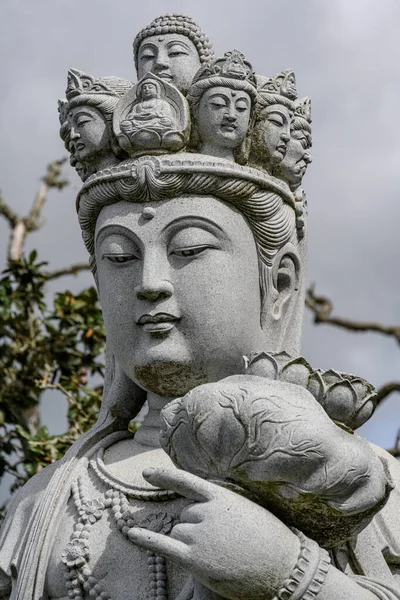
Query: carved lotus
{"type": "Point", "coordinates": [349, 400]}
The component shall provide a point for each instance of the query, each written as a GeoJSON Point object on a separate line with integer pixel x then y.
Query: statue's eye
{"type": "Point", "coordinates": [120, 259]}
{"type": "Point", "coordinates": [147, 56]}
{"type": "Point", "coordinates": [177, 51]}
{"type": "Point", "coordinates": [189, 252]}
{"type": "Point", "coordinates": [241, 106]}
{"type": "Point", "coordinates": [82, 121]}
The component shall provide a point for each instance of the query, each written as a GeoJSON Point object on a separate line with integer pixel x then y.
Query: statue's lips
{"type": "Point", "coordinates": [160, 322]}
{"type": "Point", "coordinates": [164, 76]}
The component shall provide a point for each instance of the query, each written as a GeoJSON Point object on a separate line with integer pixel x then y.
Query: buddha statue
{"type": "Point", "coordinates": [275, 109]}
{"type": "Point", "coordinates": [199, 262]}
{"type": "Point", "coordinates": [86, 121]}
{"type": "Point", "coordinates": [152, 117]}
{"type": "Point", "coordinates": [173, 47]}
{"type": "Point", "coordinates": [222, 98]}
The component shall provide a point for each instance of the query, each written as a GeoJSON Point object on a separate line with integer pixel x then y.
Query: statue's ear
{"type": "Point", "coordinates": [280, 302]}
{"type": "Point", "coordinates": [285, 276]}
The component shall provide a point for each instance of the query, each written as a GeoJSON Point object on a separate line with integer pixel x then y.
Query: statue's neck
{"type": "Point", "coordinates": [218, 151]}
{"type": "Point", "coordinates": [149, 432]}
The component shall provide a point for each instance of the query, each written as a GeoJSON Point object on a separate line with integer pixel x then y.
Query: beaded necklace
{"type": "Point", "coordinates": [80, 581]}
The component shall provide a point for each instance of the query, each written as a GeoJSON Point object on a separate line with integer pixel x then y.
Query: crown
{"type": "Point", "coordinates": [231, 70]}
{"type": "Point", "coordinates": [79, 83]}
{"type": "Point", "coordinates": [153, 117]}
{"type": "Point", "coordinates": [302, 108]}
{"type": "Point", "coordinates": [233, 66]}
{"type": "Point", "coordinates": [283, 83]}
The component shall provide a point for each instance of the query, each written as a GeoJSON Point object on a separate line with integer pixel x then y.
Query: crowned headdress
{"type": "Point", "coordinates": [232, 70]}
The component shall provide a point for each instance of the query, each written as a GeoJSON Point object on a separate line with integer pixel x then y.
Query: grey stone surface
{"type": "Point", "coordinates": [200, 261]}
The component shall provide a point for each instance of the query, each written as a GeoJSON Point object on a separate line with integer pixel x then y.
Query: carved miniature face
{"type": "Point", "coordinates": [149, 91]}
{"type": "Point", "coordinates": [89, 133]}
{"type": "Point", "coordinates": [172, 57]}
{"type": "Point", "coordinates": [275, 132]}
{"type": "Point", "coordinates": [296, 160]}
{"type": "Point", "coordinates": [223, 117]}
{"type": "Point", "coordinates": [179, 292]}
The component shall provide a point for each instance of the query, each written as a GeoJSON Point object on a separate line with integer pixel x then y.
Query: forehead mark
{"type": "Point", "coordinates": [148, 213]}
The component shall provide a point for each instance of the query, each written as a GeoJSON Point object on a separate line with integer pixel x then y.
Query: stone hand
{"type": "Point", "coordinates": [231, 545]}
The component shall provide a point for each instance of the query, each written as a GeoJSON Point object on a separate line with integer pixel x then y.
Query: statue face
{"type": "Point", "coordinates": [180, 292]}
{"type": "Point", "coordinates": [89, 133]}
{"type": "Point", "coordinates": [172, 57]}
{"type": "Point", "coordinates": [296, 160]}
{"type": "Point", "coordinates": [149, 91]}
{"type": "Point", "coordinates": [275, 133]}
{"type": "Point", "coordinates": [223, 116]}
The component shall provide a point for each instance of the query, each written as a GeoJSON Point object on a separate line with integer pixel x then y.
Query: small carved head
{"type": "Point", "coordinates": [222, 100]}
{"type": "Point", "coordinates": [172, 47]}
{"type": "Point", "coordinates": [298, 156]}
{"type": "Point", "coordinates": [274, 113]}
{"type": "Point", "coordinates": [86, 120]}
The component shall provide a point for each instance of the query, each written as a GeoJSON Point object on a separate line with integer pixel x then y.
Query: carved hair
{"type": "Point", "coordinates": [268, 210]}
{"type": "Point", "coordinates": [174, 23]}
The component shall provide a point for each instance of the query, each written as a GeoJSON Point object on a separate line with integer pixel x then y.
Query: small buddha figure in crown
{"type": "Point", "coordinates": [275, 109]}
{"type": "Point", "coordinates": [173, 47]}
{"type": "Point", "coordinates": [297, 157]}
{"type": "Point", "coordinates": [222, 100]}
{"type": "Point", "coordinates": [153, 117]}
{"type": "Point", "coordinates": [151, 111]}
{"type": "Point", "coordinates": [86, 121]}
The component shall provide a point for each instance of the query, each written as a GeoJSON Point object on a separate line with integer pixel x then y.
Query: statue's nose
{"type": "Point", "coordinates": [154, 293]}
{"type": "Point", "coordinates": [74, 135]}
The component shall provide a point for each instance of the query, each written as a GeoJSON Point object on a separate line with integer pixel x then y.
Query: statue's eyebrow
{"type": "Point", "coordinates": [175, 42]}
{"type": "Point", "coordinates": [147, 45]}
{"type": "Point", "coordinates": [110, 229]}
{"type": "Point", "coordinates": [194, 221]}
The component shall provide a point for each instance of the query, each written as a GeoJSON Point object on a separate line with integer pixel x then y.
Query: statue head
{"type": "Point", "coordinates": [173, 47]}
{"type": "Point", "coordinates": [149, 90]}
{"type": "Point", "coordinates": [274, 113]}
{"type": "Point", "coordinates": [197, 263]}
{"type": "Point", "coordinates": [86, 121]}
{"type": "Point", "coordinates": [222, 98]}
{"type": "Point", "coordinates": [298, 156]}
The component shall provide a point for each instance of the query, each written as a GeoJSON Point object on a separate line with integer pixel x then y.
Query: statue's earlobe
{"type": "Point", "coordinates": [286, 283]}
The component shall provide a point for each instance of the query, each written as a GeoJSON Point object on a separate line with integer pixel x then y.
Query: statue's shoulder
{"type": "Point", "coordinates": [18, 519]}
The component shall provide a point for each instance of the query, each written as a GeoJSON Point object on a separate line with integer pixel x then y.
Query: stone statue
{"type": "Point", "coordinates": [222, 98]}
{"type": "Point", "coordinates": [152, 118]}
{"type": "Point", "coordinates": [200, 266]}
{"type": "Point", "coordinates": [86, 121]}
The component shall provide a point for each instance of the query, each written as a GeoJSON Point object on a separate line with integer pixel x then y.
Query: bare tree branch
{"type": "Point", "coordinates": [395, 451]}
{"type": "Point", "coordinates": [8, 213]}
{"type": "Point", "coordinates": [387, 389]}
{"type": "Point", "coordinates": [21, 226]}
{"type": "Point", "coordinates": [71, 270]}
{"type": "Point", "coordinates": [322, 308]}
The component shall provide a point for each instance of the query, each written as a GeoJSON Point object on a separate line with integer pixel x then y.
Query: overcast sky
{"type": "Point", "coordinates": [346, 57]}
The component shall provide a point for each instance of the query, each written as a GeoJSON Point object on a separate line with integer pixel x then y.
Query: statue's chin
{"type": "Point", "coordinates": [169, 379]}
